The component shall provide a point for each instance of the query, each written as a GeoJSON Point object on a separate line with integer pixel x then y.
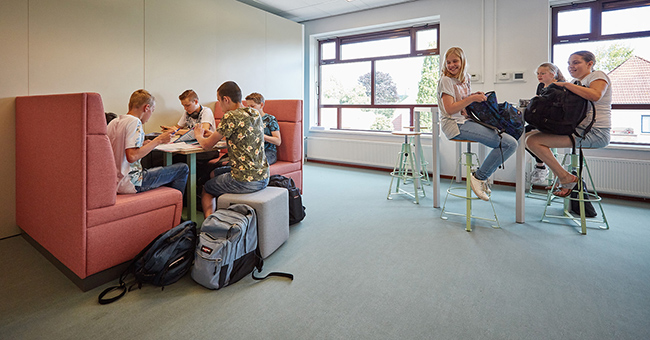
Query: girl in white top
{"type": "Point", "coordinates": [454, 95]}
{"type": "Point", "coordinates": [597, 88]}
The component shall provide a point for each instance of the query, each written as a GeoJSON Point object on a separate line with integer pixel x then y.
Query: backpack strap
{"type": "Point", "coordinates": [122, 286]}
{"type": "Point", "coordinates": [260, 264]}
{"type": "Point", "coordinates": [584, 133]}
{"type": "Point", "coordinates": [591, 124]}
{"type": "Point", "coordinates": [103, 301]}
{"type": "Point", "coordinates": [280, 274]}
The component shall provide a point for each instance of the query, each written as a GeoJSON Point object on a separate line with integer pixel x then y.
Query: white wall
{"type": "Point", "coordinates": [496, 35]}
{"type": "Point", "coordinates": [118, 46]}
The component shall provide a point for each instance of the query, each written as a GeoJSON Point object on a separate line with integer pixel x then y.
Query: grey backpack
{"type": "Point", "coordinates": [227, 248]}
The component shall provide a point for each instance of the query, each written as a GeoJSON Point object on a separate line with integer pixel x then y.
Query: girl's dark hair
{"type": "Point", "coordinates": [587, 57]}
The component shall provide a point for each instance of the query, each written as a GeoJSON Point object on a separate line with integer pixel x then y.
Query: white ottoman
{"type": "Point", "coordinates": [271, 205]}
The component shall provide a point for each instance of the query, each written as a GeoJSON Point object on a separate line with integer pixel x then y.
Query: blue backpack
{"type": "Point", "coordinates": [162, 262]}
{"type": "Point", "coordinates": [501, 117]}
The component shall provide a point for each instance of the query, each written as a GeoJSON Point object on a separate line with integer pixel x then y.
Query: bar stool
{"type": "Point", "coordinates": [583, 196]}
{"type": "Point", "coordinates": [423, 162]}
{"type": "Point", "coordinates": [405, 170]}
{"type": "Point", "coordinates": [466, 159]}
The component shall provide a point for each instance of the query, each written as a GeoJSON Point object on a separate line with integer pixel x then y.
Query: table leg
{"type": "Point", "coordinates": [191, 186]}
{"type": "Point", "coordinates": [435, 160]}
{"type": "Point", "coordinates": [520, 180]}
{"type": "Point", "coordinates": [168, 158]}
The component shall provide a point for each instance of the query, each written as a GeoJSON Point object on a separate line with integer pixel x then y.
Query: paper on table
{"type": "Point", "coordinates": [171, 147]}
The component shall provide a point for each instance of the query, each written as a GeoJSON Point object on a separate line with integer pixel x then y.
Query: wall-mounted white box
{"type": "Point", "coordinates": [504, 76]}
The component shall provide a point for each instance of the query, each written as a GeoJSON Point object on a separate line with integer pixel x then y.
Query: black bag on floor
{"type": "Point", "coordinates": [227, 248]}
{"type": "Point", "coordinates": [162, 262]}
{"type": "Point", "coordinates": [296, 209]}
{"type": "Point", "coordinates": [590, 211]}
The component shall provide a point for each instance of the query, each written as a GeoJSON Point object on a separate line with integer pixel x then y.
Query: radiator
{"type": "Point", "coordinates": [380, 154]}
{"type": "Point", "coordinates": [628, 177]}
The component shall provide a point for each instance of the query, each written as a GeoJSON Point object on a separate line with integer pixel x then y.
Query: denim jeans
{"type": "Point", "coordinates": [225, 184]}
{"type": "Point", "coordinates": [594, 139]}
{"type": "Point", "coordinates": [271, 156]}
{"type": "Point", "coordinates": [174, 176]}
{"type": "Point", "coordinates": [478, 133]}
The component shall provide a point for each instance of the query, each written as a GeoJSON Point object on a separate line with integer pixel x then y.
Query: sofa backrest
{"type": "Point", "coordinates": [101, 180]}
{"type": "Point", "coordinates": [64, 168]}
{"type": "Point", "coordinates": [65, 135]}
{"type": "Point", "coordinates": [289, 114]}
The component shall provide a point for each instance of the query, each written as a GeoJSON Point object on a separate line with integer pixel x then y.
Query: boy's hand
{"type": "Point", "coordinates": [164, 137]}
{"type": "Point", "coordinates": [198, 130]}
{"type": "Point", "coordinates": [167, 128]}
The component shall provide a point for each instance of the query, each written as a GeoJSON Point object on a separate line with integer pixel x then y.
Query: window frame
{"type": "Point", "coordinates": [366, 37]}
{"type": "Point", "coordinates": [597, 8]}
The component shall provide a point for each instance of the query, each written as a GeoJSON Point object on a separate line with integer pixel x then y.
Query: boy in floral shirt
{"type": "Point", "coordinates": [242, 128]}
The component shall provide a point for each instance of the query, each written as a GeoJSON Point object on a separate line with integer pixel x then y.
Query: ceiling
{"type": "Point", "coordinates": [304, 10]}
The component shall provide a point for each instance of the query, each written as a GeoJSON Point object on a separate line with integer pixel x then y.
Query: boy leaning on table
{"type": "Point", "coordinates": [126, 135]}
{"type": "Point", "coordinates": [194, 114]}
{"type": "Point", "coordinates": [242, 128]}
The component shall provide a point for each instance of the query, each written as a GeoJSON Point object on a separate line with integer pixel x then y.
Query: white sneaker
{"type": "Point", "coordinates": [539, 176]}
{"type": "Point", "coordinates": [478, 187]}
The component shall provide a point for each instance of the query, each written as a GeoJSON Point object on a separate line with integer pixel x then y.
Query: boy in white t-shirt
{"type": "Point", "coordinates": [194, 113]}
{"type": "Point", "coordinates": [126, 135]}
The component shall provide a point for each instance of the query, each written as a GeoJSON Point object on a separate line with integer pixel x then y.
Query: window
{"type": "Point", "coordinates": [618, 33]}
{"type": "Point", "coordinates": [379, 81]}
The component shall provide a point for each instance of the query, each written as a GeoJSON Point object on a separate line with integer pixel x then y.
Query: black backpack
{"type": "Point", "coordinates": [296, 209]}
{"type": "Point", "coordinates": [558, 111]}
{"type": "Point", "coordinates": [162, 262]}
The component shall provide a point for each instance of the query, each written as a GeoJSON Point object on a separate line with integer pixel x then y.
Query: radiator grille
{"type": "Point", "coordinates": [621, 176]}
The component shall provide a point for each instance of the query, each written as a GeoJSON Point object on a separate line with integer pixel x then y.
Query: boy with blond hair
{"type": "Point", "coordinates": [126, 135]}
{"type": "Point", "coordinates": [272, 137]}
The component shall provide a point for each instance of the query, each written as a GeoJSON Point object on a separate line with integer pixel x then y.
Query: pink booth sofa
{"type": "Point", "coordinates": [66, 201]}
{"type": "Point", "coordinates": [288, 112]}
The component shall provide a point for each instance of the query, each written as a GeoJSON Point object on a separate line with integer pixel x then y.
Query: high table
{"type": "Point", "coordinates": [520, 181]}
{"type": "Point", "coordinates": [190, 151]}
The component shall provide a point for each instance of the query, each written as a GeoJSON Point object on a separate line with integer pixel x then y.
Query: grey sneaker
{"type": "Point", "coordinates": [539, 176]}
{"type": "Point", "coordinates": [478, 187]}
{"type": "Point", "coordinates": [486, 188]}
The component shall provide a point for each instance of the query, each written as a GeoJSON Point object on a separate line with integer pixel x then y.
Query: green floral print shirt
{"type": "Point", "coordinates": [242, 129]}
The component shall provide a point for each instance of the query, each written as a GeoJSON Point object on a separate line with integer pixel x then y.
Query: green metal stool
{"type": "Point", "coordinates": [423, 162]}
{"type": "Point", "coordinates": [583, 197]}
{"type": "Point", "coordinates": [466, 159]}
{"type": "Point", "coordinates": [405, 170]}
